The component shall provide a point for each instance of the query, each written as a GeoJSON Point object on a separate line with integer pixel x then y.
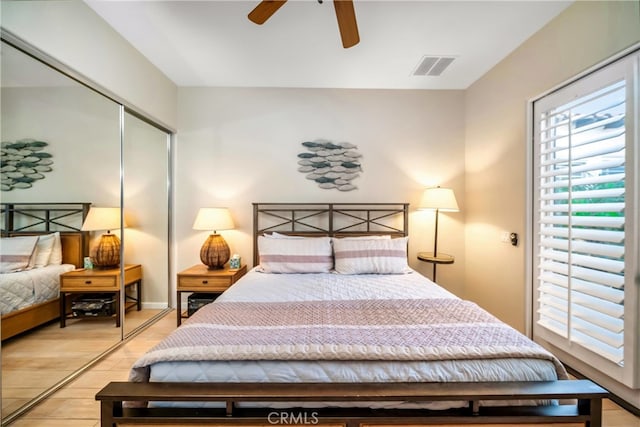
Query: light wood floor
{"type": "Point", "coordinates": [75, 406]}
{"type": "Point", "coordinates": [35, 361]}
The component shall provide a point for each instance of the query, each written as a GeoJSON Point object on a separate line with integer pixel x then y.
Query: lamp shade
{"type": "Point", "coordinates": [213, 219]}
{"type": "Point", "coordinates": [439, 198]}
{"type": "Point", "coordinates": [102, 219]}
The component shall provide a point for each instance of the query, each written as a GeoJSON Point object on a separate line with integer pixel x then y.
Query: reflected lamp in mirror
{"type": "Point", "coordinates": [438, 199]}
{"type": "Point", "coordinates": [214, 252]}
{"type": "Point", "coordinates": [107, 253]}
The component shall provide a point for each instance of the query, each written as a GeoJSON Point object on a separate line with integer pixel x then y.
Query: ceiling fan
{"type": "Point", "coordinates": [344, 12]}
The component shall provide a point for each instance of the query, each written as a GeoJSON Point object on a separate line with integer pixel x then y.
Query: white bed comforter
{"type": "Point", "coordinates": [25, 288]}
{"type": "Point", "coordinates": [261, 287]}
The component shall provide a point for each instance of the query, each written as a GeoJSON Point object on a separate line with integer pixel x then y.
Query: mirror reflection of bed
{"type": "Point", "coordinates": [36, 352]}
{"type": "Point", "coordinates": [29, 296]}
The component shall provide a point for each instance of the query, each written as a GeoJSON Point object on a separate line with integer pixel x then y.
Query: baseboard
{"type": "Point", "coordinates": [154, 305]}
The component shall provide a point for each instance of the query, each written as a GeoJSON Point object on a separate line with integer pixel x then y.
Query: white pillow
{"type": "Point", "coordinates": [371, 256]}
{"type": "Point", "coordinates": [44, 247]}
{"type": "Point", "coordinates": [56, 252]}
{"type": "Point", "coordinates": [306, 255]}
{"type": "Point", "coordinates": [16, 252]}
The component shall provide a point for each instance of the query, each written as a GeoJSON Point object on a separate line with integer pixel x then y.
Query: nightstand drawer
{"type": "Point", "coordinates": [209, 282]}
{"type": "Point", "coordinates": [88, 282]}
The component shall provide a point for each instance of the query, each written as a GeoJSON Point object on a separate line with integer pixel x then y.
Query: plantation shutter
{"type": "Point", "coordinates": [582, 220]}
{"type": "Point", "coordinates": [585, 249]}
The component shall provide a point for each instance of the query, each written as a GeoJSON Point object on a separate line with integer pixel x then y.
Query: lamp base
{"type": "Point", "coordinates": [215, 252]}
{"type": "Point", "coordinates": [107, 253]}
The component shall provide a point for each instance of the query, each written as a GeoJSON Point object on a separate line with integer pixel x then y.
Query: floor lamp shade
{"type": "Point", "coordinates": [438, 199]}
{"type": "Point", "coordinates": [107, 253]}
{"type": "Point", "coordinates": [215, 251]}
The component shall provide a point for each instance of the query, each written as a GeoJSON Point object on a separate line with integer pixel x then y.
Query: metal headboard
{"type": "Point", "coordinates": [40, 218]}
{"type": "Point", "coordinates": [329, 219]}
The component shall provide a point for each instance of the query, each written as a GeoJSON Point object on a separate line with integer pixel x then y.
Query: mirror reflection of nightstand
{"type": "Point", "coordinates": [436, 259]}
{"type": "Point", "coordinates": [101, 281]}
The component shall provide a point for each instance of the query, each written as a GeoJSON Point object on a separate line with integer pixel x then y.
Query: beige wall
{"type": "Point", "coordinates": [75, 35]}
{"type": "Point", "coordinates": [238, 146]}
{"type": "Point", "coordinates": [496, 145]}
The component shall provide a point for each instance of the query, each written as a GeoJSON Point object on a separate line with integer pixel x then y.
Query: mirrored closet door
{"type": "Point", "coordinates": [65, 145]}
{"type": "Point", "coordinates": [146, 237]}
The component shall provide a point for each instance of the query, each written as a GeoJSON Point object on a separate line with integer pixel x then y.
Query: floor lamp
{"type": "Point", "coordinates": [438, 199]}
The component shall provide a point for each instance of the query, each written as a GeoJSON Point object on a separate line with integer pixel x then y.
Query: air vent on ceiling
{"type": "Point", "coordinates": [433, 65]}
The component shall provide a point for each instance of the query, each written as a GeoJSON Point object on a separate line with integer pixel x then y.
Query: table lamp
{"type": "Point", "coordinates": [107, 253]}
{"type": "Point", "coordinates": [438, 199]}
{"type": "Point", "coordinates": [214, 252]}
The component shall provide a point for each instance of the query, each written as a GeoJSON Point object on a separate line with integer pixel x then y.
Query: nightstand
{"type": "Point", "coordinates": [101, 281]}
{"type": "Point", "coordinates": [435, 260]}
{"type": "Point", "coordinates": [200, 278]}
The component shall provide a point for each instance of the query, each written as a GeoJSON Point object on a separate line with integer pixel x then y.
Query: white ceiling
{"type": "Point", "coordinates": [212, 43]}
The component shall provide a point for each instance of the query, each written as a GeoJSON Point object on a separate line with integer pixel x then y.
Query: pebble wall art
{"type": "Point", "coordinates": [331, 165]}
{"type": "Point", "coordinates": [22, 163]}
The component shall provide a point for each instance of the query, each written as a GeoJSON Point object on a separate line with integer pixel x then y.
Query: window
{"type": "Point", "coordinates": [585, 190]}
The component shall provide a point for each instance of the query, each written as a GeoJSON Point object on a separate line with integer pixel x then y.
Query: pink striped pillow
{"type": "Point", "coordinates": [304, 255]}
{"type": "Point", "coordinates": [376, 256]}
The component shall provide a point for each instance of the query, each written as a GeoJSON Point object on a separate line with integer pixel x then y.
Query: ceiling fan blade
{"type": "Point", "coordinates": [346, 15]}
{"type": "Point", "coordinates": [264, 10]}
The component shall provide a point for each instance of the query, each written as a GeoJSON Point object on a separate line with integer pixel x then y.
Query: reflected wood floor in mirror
{"type": "Point", "coordinates": [39, 359]}
{"type": "Point", "coordinates": [75, 404]}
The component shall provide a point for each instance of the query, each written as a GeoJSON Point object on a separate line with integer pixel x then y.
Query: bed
{"type": "Point", "coordinates": [332, 324]}
{"type": "Point", "coordinates": [30, 297]}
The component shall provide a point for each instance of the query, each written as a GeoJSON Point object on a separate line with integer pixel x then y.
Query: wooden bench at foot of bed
{"type": "Point", "coordinates": [587, 410]}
